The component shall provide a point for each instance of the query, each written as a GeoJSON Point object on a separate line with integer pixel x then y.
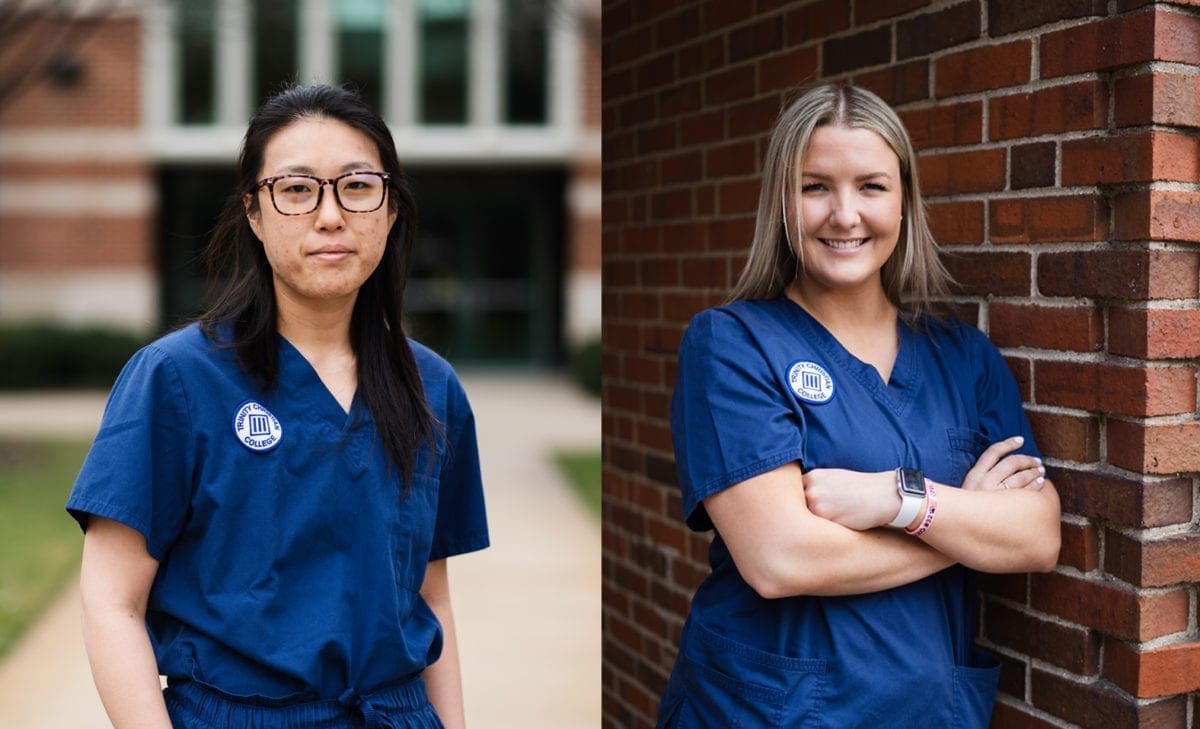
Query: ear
{"type": "Point", "coordinates": [253, 216]}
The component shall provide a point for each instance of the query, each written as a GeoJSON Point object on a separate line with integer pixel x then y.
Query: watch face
{"type": "Point", "coordinates": [912, 482]}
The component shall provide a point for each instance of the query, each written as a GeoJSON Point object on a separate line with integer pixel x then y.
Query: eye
{"type": "Point", "coordinates": [812, 187]}
{"type": "Point", "coordinates": [875, 187]}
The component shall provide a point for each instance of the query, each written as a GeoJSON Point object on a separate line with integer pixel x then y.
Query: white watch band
{"type": "Point", "coordinates": [909, 506]}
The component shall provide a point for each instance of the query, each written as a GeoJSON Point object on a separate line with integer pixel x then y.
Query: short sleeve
{"type": "Point", "coordinates": [730, 420]}
{"type": "Point", "coordinates": [997, 399]}
{"type": "Point", "coordinates": [139, 469]}
{"type": "Point", "coordinates": [461, 524]}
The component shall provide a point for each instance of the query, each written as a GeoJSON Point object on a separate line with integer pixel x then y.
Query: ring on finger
{"type": "Point", "coordinates": [1002, 483]}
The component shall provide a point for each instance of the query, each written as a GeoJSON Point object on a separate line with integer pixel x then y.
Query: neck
{"type": "Point", "coordinates": [844, 310]}
{"type": "Point", "coordinates": [315, 328]}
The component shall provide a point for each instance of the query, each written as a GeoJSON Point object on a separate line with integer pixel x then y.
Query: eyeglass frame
{"type": "Point", "coordinates": [269, 182]}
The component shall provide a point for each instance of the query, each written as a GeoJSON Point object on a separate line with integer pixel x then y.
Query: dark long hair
{"type": "Point", "coordinates": [388, 380]}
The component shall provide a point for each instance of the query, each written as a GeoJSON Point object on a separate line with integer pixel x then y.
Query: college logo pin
{"type": "Point", "coordinates": [810, 382]}
{"type": "Point", "coordinates": [256, 428]}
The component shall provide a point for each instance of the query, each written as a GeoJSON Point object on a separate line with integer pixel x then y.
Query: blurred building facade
{"type": "Point", "coordinates": [120, 124]}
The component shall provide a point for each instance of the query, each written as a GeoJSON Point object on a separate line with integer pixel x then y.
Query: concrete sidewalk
{"type": "Point", "coordinates": [527, 608]}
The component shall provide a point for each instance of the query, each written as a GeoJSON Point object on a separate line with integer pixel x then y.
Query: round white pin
{"type": "Point", "coordinates": [256, 427]}
{"type": "Point", "coordinates": [810, 382]}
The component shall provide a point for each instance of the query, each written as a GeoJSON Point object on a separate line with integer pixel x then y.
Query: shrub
{"type": "Point", "coordinates": [45, 355]}
{"type": "Point", "coordinates": [585, 365]}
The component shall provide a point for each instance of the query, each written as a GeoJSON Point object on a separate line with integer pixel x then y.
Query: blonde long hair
{"type": "Point", "coordinates": [913, 275]}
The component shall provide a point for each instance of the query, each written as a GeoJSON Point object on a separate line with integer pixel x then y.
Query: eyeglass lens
{"type": "Point", "coordinates": [359, 192]}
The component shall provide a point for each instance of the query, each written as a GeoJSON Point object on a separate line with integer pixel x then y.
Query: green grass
{"type": "Point", "coordinates": [39, 543]}
{"type": "Point", "coordinates": [582, 469]}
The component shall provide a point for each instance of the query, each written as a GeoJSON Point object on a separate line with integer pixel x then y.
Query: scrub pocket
{"type": "Point", "coordinates": [966, 445]}
{"type": "Point", "coordinates": [975, 692]}
{"type": "Point", "coordinates": [416, 513]}
{"type": "Point", "coordinates": [730, 684]}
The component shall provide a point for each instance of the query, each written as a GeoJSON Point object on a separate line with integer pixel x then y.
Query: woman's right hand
{"type": "Point", "coordinates": [995, 469]}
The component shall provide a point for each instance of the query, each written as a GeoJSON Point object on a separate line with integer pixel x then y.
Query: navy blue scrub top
{"type": "Point", "coordinates": [290, 557]}
{"type": "Point", "coordinates": [761, 384]}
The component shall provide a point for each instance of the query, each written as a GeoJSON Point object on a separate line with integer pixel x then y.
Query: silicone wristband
{"type": "Point", "coordinates": [930, 510]}
{"type": "Point", "coordinates": [909, 505]}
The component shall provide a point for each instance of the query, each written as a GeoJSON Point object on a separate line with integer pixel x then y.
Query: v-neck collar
{"type": "Point", "coordinates": [901, 386]}
{"type": "Point", "coordinates": [302, 381]}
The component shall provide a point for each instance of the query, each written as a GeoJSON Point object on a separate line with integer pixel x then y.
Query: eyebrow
{"type": "Point", "coordinates": [348, 167]}
{"type": "Point", "coordinates": [860, 178]}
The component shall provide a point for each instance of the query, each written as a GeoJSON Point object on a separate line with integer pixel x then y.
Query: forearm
{"type": "Point", "coordinates": [829, 559]}
{"type": "Point", "coordinates": [997, 531]}
{"type": "Point", "coordinates": [443, 679]}
{"type": "Point", "coordinates": [124, 668]}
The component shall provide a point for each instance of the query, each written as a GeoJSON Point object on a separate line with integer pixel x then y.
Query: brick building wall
{"type": "Point", "coordinates": [1060, 153]}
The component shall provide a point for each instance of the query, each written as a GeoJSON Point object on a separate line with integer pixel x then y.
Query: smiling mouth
{"type": "Point", "coordinates": [844, 245]}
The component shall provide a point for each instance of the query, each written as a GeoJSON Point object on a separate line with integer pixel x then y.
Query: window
{"type": "Point", "coordinates": [525, 53]}
{"type": "Point", "coordinates": [360, 38]}
{"type": "Point", "coordinates": [444, 26]}
{"type": "Point", "coordinates": [196, 26]}
{"type": "Point", "coordinates": [275, 60]}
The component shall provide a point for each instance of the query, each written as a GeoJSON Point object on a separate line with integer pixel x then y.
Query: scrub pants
{"type": "Point", "coordinates": [403, 705]}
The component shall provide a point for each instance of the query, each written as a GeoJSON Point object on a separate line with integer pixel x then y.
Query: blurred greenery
{"type": "Point", "coordinates": [582, 469]}
{"type": "Point", "coordinates": [39, 543]}
{"type": "Point", "coordinates": [585, 365]}
{"type": "Point", "coordinates": [44, 355]}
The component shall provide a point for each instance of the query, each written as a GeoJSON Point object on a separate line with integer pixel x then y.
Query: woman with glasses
{"type": "Point", "coordinates": [274, 490]}
{"type": "Point", "coordinates": [856, 455]}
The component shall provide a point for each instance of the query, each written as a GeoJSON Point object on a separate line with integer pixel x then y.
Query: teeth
{"type": "Point", "coordinates": [844, 244]}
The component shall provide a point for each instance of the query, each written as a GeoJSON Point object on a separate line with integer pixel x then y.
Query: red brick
{"type": "Point", "coordinates": [1014, 15]}
{"type": "Point", "coordinates": [998, 274]}
{"type": "Point", "coordinates": [1064, 108]}
{"type": "Point", "coordinates": [930, 32]}
{"type": "Point", "coordinates": [1165, 448]}
{"type": "Point", "coordinates": [730, 160]}
{"type": "Point", "coordinates": [1066, 437]}
{"type": "Point", "coordinates": [816, 20]}
{"type": "Point", "coordinates": [868, 11]}
{"type": "Point", "coordinates": [655, 71]}
{"type": "Point", "coordinates": [1164, 671]}
{"type": "Point", "coordinates": [1157, 215]}
{"type": "Point", "coordinates": [1145, 502]}
{"type": "Point", "coordinates": [1154, 333]}
{"type": "Point", "coordinates": [1098, 706]}
{"type": "Point", "coordinates": [756, 39]}
{"type": "Point", "coordinates": [1007, 716]}
{"type": "Point", "coordinates": [956, 221]}
{"type": "Point", "coordinates": [679, 99]}
{"type": "Point", "coordinates": [960, 172]}
{"type": "Point", "coordinates": [945, 124]}
{"type": "Point", "coordinates": [1109, 388]}
{"type": "Point", "coordinates": [1048, 219]}
{"type": "Point", "coordinates": [861, 50]}
{"type": "Point", "coordinates": [1128, 275]}
{"type": "Point", "coordinates": [1032, 165]}
{"type": "Point", "coordinates": [733, 84]}
{"type": "Point", "coordinates": [44, 243]}
{"type": "Point", "coordinates": [1159, 97]}
{"type": "Point", "coordinates": [1073, 648]}
{"type": "Point", "coordinates": [703, 128]}
{"type": "Point", "coordinates": [1098, 46]}
{"type": "Point", "coordinates": [672, 30]}
{"type": "Point", "coordinates": [671, 204]}
{"type": "Point", "coordinates": [752, 117]}
{"type": "Point", "coordinates": [788, 69]}
{"type": "Point", "coordinates": [900, 83]}
{"type": "Point", "coordinates": [1111, 608]}
{"type": "Point", "coordinates": [1156, 562]}
{"type": "Point", "coordinates": [658, 138]}
{"type": "Point", "coordinates": [1140, 157]}
{"type": "Point", "coordinates": [718, 15]}
{"type": "Point", "coordinates": [1074, 328]}
{"type": "Point", "coordinates": [738, 196]}
{"type": "Point", "coordinates": [683, 167]}
{"type": "Point", "coordinates": [983, 69]}
{"type": "Point", "coordinates": [1022, 371]}
{"type": "Point", "coordinates": [1080, 546]}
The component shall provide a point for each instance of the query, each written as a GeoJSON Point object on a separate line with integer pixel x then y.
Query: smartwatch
{"type": "Point", "coordinates": [911, 484]}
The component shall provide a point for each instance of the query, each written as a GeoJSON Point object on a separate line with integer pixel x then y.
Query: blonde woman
{"type": "Point", "coordinates": [857, 456]}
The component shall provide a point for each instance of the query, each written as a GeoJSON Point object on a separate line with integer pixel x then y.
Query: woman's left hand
{"type": "Point", "coordinates": [855, 500]}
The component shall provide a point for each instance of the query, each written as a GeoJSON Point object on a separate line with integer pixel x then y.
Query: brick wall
{"type": "Point", "coordinates": [1060, 151]}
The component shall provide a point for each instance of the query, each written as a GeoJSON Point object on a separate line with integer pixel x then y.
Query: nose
{"type": "Point", "coordinates": [845, 210]}
{"type": "Point", "coordinates": [329, 213]}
